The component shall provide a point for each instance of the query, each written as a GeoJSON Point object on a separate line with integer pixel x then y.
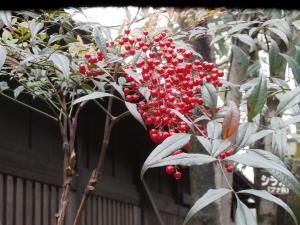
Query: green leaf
{"type": "Point", "coordinates": [183, 159]}
{"type": "Point", "coordinates": [294, 66]}
{"type": "Point", "coordinates": [288, 100]}
{"type": "Point", "coordinates": [243, 215]}
{"type": "Point", "coordinates": [18, 91]}
{"type": "Point", "coordinates": [280, 34]}
{"type": "Point", "coordinates": [100, 40]}
{"type": "Point", "coordinates": [256, 136]}
{"type": "Point", "coordinates": [240, 56]}
{"type": "Point", "coordinates": [35, 28]}
{"type": "Point", "coordinates": [135, 113]}
{"type": "Point", "coordinates": [118, 88]}
{"type": "Point", "coordinates": [279, 141]}
{"type": "Point", "coordinates": [267, 155]}
{"type": "Point", "coordinates": [258, 160]}
{"type": "Point", "coordinates": [62, 62]}
{"type": "Point", "coordinates": [214, 130]}
{"type": "Point", "coordinates": [257, 97]}
{"type": "Point", "coordinates": [297, 24]}
{"type": "Point", "coordinates": [209, 96]}
{"type": "Point", "coordinates": [54, 38]}
{"type": "Point", "coordinates": [244, 132]}
{"type": "Point", "coordinates": [245, 38]}
{"type": "Point", "coordinates": [205, 143]}
{"type": "Point", "coordinates": [3, 86]}
{"type": "Point", "coordinates": [5, 16]}
{"type": "Point", "coordinates": [253, 69]}
{"type": "Point", "coordinates": [266, 195]}
{"type": "Point", "coordinates": [169, 145]}
{"type": "Point", "coordinates": [3, 54]}
{"type": "Point", "coordinates": [275, 59]}
{"type": "Point", "coordinates": [94, 95]}
{"type": "Point", "coordinates": [296, 137]}
{"type": "Point", "coordinates": [220, 146]}
{"type": "Point", "coordinates": [210, 196]}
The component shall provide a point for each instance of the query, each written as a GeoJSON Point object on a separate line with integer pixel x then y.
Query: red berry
{"type": "Point", "coordinates": [145, 33]}
{"type": "Point", "coordinates": [229, 168]}
{"type": "Point", "coordinates": [170, 169]}
{"type": "Point", "coordinates": [222, 155]}
{"type": "Point", "coordinates": [229, 151]}
{"type": "Point", "coordinates": [127, 31]}
{"type": "Point", "coordinates": [177, 175]}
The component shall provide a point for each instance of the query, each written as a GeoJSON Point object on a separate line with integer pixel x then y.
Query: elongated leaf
{"type": "Point", "coordinates": [94, 95]}
{"type": "Point", "coordinates": [267, 155]}
{"type": "Point", "coordinates": [280, 34]}
{"type": "Point", "coordinates": [3, 86]}
{"type": "Point", "coordinates": [275, 59]}
{"type": "Point", "coordinates": [243, 215]}
{"type": "Point", "coordinates": [244, 132]}
{"type": "Point", "coordinates": [245, 38]}
{"type": "Point", "coordinates": [294, 66]}
{"type": "Point", "coordinates": [183, 159]}
{"type": "Point", "coordinates": [205, 143]}
{"type": "Point", "coordinates": [176, 141]}
{"type": "Point", "coordinates": [54, 38]}
{"type": "Point", "coordinates": [210, 196]}
{"type": "Point", "coordinates": [240, 56]}
{"type": "Point", "coordinates": [279, 139]}
{"type": "Point", "coordinates": [256, 98]}
{"type": "Point", "coordinates": [231, 120]}
{"type": "Point", "coordinates": [297, 24]}
{"type": "Point", "coordinates": [220, 146]}
{"type": "Point", "coordinates": [118, 88]}
{"type": "Point", "coordinates": [256, 136]}
{"type": "Point", "coordinates": [100, 40]}
{"type": "Point", "coordinates": [62, 62]}
{"type": "Point", "coordinates": [275, 168]}
{"type": "Point", "coordinates": [209, 96]}
{"type": "Point", "coordinates": [35, 28]}
{"type": "Point", "coordinates": [5, 16]}
{"type": "Point", "coordinates": [266, 195]}
{"type": "Point", "coordinates": [18, 91]}
{"type": "Point", "coordinates": [214, 129]}
{"type": "Point", "coordinates": [296, 137]}
{"type": "Point", "coordinates": [288, 100]}
{"type": "Point", "coordinates": [3, 54]}
{"type": "Point", "coordinates": [135, 113]}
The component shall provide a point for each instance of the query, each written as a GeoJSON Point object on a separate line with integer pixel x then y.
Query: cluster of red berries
{"type": "Point", "coordinates": [225, 154]}
{"type": "Point", "coordinates": [173, 78]}
{"type": "Point", "coordinates": [175, 170]}
{"type": "Point", "coordinates": [174, 81]}
{"type": "Point", "coordinates": [89, 69]}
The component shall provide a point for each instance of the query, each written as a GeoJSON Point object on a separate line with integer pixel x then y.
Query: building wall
{"type": "Point", "coordinates": [31, 168]}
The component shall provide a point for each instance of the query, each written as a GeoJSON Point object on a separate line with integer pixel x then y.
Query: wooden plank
{"type": "Point", "coordinates": [19, 201]}
{"type": "Point", "coordinates": [118, 213]}
{"type": "Point", "coordinates": [130, 214]}
{"type": "Point", "coordinates": [109, 212]}
{"type": "Point", "coordinates": [94, 210]}
{"type": "Point", "coordinates": [99, 210]}
{"type": "Point", "coordinates": [136, 215]}
{"type": "Point", "coordinates": [53, 203]}
{"type": "Point", "coordinates": [104, 210]}
{"type": "Point", "coordinates": [37, 203]}
{"type": "Point", "coordinates": [9, 200]}
{"type": "Point", "coordinates": [46, 204]}
{"type": "Point", "coordinates": [1, 198]}
{"type": "Point", "coordinates": [89, 212]}
{"type": "Point", "coordinates": [114, 212]}
{"type": "Point", "coordinates": [29, 203]}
